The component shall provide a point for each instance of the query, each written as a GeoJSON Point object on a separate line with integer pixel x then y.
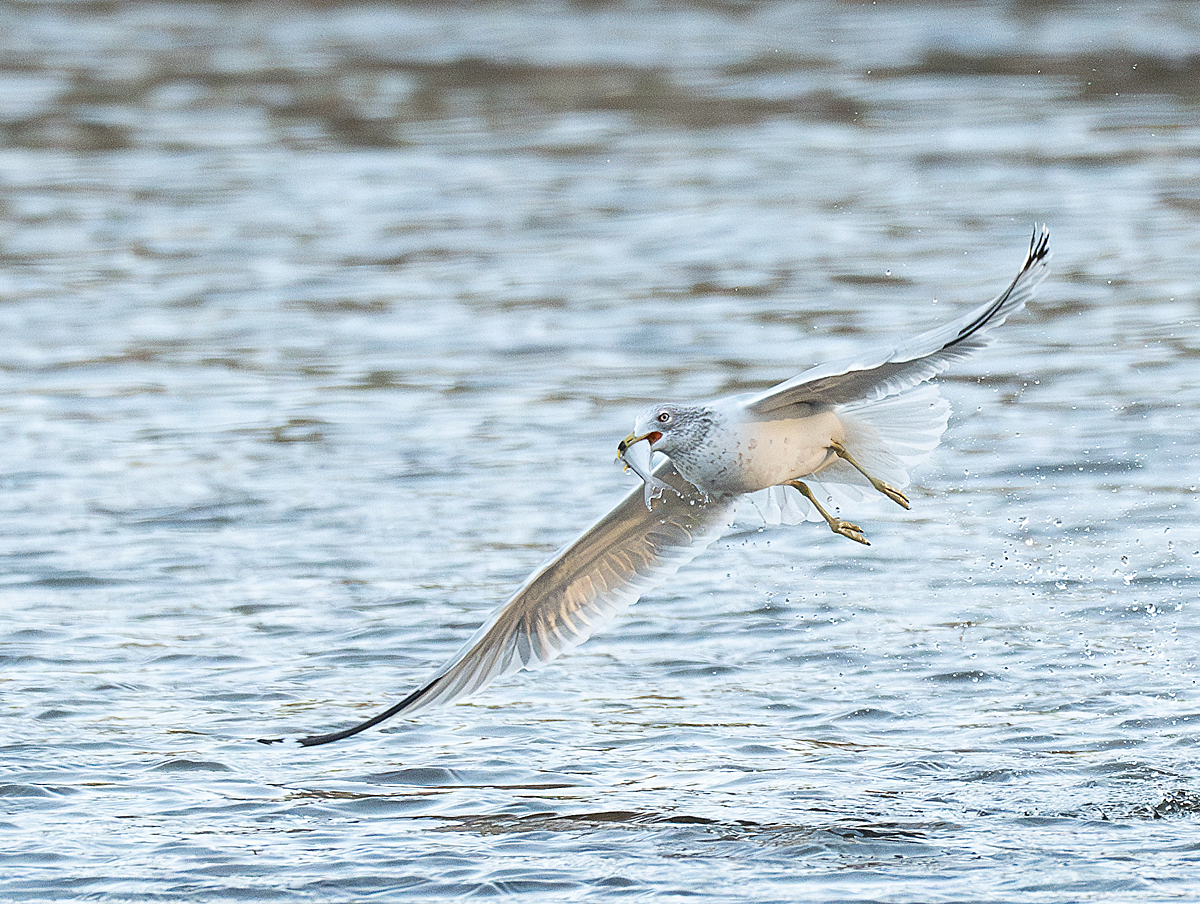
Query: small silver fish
{"type": "Point", "coordinates": [636, 457]}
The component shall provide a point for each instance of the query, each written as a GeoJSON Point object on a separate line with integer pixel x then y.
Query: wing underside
{"type": "Point", "coordinates": [576, 593]}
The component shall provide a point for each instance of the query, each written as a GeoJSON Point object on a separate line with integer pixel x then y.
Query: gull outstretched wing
{"type": "Point", "coordinates": [916, 360]}
{"type": "Point", "coordinates": [574, 594]}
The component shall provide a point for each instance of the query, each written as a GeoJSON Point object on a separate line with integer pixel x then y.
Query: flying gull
{"type": "Point", "coordinates": [833, 434]}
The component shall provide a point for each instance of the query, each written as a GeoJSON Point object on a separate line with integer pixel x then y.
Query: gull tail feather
{"type": "Point", "coordinates": [892, 435]}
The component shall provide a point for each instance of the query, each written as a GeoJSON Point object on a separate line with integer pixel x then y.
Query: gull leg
{"type": "Point", "coordinates": [845, 528]}
{"type": "Point", "coordinates": [890, 491]}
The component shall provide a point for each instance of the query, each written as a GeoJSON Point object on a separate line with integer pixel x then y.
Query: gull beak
{"type": "Point", "coordinates": [653, 436]}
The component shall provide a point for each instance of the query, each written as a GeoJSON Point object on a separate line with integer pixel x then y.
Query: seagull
{"type": "Point", "coordinates": [833, 434]}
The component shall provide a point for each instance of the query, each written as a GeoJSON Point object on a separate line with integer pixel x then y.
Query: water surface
{"type": "Point", "coordinates": [323, 323]}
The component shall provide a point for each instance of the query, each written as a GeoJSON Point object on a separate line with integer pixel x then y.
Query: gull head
{"type": "Point", "coordinates": [669, 428]}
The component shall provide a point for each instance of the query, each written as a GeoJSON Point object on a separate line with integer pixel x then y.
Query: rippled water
{"type": "Point", "coordinates": [323, 322]}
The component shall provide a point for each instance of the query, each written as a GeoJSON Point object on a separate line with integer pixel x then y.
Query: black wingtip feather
{"type": "Point", "coordinates": [1039, 251]}
{"type": "Point", "coordinates": [1039, 245]}
{"type": "Point", "coordinates": [317, 740]}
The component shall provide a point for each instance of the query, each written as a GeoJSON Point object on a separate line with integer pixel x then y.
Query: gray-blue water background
{"type": "Point", "coordinates": [321, 323]}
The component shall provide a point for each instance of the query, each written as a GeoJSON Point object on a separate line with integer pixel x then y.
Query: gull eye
{"type": "Point", "coordinates": [664, 417]}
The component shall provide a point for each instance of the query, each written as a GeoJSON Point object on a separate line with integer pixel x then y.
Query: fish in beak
{"type": "Point", "coordinates": [635, 453]}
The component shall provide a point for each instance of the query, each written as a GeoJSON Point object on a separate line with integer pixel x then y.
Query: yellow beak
{"type": "Point", "coordinates": [632, 438]}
